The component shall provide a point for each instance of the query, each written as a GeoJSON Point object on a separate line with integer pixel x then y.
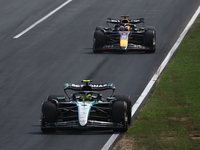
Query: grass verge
{"type": "Point", "coordinates": [170, 120]}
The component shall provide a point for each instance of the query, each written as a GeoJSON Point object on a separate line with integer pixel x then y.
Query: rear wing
{"type": "Point", "coordinates": [95, 87]}
{"type": "Point", "coordinates": [140, 20]}
{"type": "Point", "coordinates": [88, 87]}
{"type": "Point", "coordinates": [115, 21]}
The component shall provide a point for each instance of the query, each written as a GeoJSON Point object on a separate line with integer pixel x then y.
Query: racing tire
{"type": "Point", "coordinates": [119, 115]}
{"type": "Point", "coordinates": [127, 99]}
{"type": "Point", "coordinates": [150, 39]}
{"type": "Point", "coordinates": [48, 116]}
{"type": "Point", "coordinates": [99, 40]}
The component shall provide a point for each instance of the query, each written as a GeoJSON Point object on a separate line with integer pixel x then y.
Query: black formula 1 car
{"type": "Point", "coordinates": [86, 108]}
{"type": "Point", "coordinates": [124, 36]}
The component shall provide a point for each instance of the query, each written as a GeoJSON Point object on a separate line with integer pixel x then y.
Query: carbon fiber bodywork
{"type": "Point", "coordinates": [124, 36]}
{"type": "Point", "coordinates": [82, 111]}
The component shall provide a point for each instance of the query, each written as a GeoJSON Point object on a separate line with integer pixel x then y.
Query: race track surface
{"type": "Point", "coordinates": [59, 50]}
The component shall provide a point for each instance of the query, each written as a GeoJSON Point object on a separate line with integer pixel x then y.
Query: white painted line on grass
{"type": "Point", "coordinates": [156, 75]}
{"type": "Point", "coordinates": [42, 19]}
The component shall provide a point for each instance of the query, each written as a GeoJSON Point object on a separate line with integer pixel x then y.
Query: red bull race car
{"type": "Point", "coordinates": [124, 36]}
{"type": "Point", "coordinates": [86, 108]}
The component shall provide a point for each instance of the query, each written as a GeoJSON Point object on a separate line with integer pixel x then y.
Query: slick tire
{"type": "Point", "coordinates": [48, 116]}
{"type": "Point", "coordinates": [119, 112]}
{"type": "Point", "coordinates": [99, 40]}
{"type": "Point", "coordinates": [127, 99]}
{"type": "Point", "coordinates": [150, 39]}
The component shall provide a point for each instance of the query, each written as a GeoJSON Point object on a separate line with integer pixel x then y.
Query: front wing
{"type": "Point", "coordinates": [131, 47]}
{"type": "Point", "coordinates": [90, 124]}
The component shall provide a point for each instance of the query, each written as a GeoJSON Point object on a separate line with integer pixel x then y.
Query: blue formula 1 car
{"type": "Point", "coordinates": [124, 36]}
{"type": "Point", "coordinates": [86, 108]}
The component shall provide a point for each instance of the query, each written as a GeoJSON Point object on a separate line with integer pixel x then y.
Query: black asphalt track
{"type": "Point", "coordinates": [59, 50]}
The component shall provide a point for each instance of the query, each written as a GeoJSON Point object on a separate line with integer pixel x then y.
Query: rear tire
{"type": "Point", "coordinates": [48, 116]}
{"type": "Point", "coordinates": [99, 41]}
{"type": "Point", "coordinates": [127, 99]}
{"type": "Point", "coordinates": [119, 114]}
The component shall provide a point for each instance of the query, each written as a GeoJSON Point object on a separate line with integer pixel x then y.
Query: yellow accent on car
{"type": "Point", "coordinates": [124, 21]}
{"type": "Point", "coordinates": [128, 27]}
{"type": "Point", "coordinates": [86, 80]}
{"type": "Point", "coordinates": [89, 97]}
{"type": "Point", "coordinates": [124, 43]}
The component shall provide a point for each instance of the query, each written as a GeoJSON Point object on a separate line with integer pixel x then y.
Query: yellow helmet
{"type": "Point", "coordinates": [89, 97]}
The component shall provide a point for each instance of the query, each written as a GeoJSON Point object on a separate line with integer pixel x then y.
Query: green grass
{"type": "Point", "coordinates": [170, 120]}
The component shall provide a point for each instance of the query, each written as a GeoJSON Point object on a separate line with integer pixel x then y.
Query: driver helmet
{"type": "Point", "coordinates": [121, 28]}
{"type": "Point", "coordinates": [82, 98]}
{"type": "Point", "coordinates": [127, 28]}
{"type": "Point", "coordinates": [89, 97]}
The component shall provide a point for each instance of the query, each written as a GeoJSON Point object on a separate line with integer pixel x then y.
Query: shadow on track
{"type": "Point", "coordinates": [72, 131]}
{"type": "Point", "coordinates": [111, 52]}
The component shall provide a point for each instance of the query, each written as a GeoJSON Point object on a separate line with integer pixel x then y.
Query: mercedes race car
{"type": "Point", "coordinates": [86, 108]}
{"type": "Point", "coordinates": [124, 36]}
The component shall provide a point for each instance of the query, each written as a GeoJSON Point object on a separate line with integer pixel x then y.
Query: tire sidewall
{"type": "Point", "coordinates": [99, 39]}
{"type": "Point", "coordinates": [119, 114]}
{"type": "Point", "coordinates": [127, 99]}
{"type": "Point", "coordinates": [150, 38]}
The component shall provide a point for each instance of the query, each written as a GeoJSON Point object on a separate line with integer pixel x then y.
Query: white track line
{"type": "Point", "coordinates": [42, 19]}
{"type": "Point", "coordinates": [156, 75]}
{"type": "Point", "coordinates": [110, 141]}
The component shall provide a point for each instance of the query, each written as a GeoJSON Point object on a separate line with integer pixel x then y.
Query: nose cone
{"type": "Point", "coordinates": [124, 48]}
{"type": "Point", "coordinates": [124, 42]}
{"type": "Point", "coordinates": [83, 111]}
{"type": "Point", "coordinates": [82, 121]}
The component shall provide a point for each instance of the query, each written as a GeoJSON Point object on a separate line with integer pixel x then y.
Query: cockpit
{"type": "Point", "coordinates": [86, 96]}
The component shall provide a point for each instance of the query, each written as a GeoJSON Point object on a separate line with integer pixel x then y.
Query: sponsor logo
{"type": "Point", "coordinates": [99, 85]}
{"type": "Point", "coordinates": [76, 85]}
{"type": "Point", "coordinates": [92, 85]}
{"type": "Point", "coordinates": [134, 46]}
{"type": "Point", "coordinates": [108, 46]}
{"type": "Point", "coordinates": [136, 20]}
{"type": "Point", "coordinates": [114, 21]}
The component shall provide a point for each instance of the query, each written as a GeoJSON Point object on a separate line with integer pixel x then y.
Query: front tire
{"type": "Point", "coordinates": [150, 39]}
{"type": "Point", "coordinates": [127, 99]}
{"type": "Point", "coordinates": [98, 41]}
{"type": "Point", "coordinates": [48, 116]}
{"type": "Point", "coordinates": [119, 115]}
